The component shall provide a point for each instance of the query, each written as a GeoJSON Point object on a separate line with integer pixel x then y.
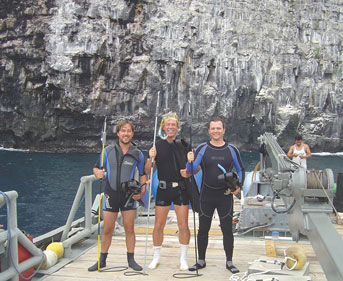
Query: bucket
{"type": "Point", "coordinates": [23, 255]}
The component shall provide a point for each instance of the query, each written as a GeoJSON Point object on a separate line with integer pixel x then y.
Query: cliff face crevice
{"type": "Point", "coordinates": [272, 66]}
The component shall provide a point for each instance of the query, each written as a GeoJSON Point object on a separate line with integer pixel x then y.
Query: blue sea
{"type": "Point", "coordinates": [47, 183]}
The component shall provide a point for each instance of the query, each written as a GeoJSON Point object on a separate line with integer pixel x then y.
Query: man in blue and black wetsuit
{"type": "Point", "coordinates": [214, 193]}
{"type": "Point", "coordinates": [120, 162]}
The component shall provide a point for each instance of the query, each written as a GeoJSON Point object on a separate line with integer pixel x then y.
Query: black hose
{"type": "Point", "coordinates": [284, 210]}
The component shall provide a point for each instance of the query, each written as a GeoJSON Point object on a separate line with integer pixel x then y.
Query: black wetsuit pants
{"type": "Point", "coordinates": [209, 201]}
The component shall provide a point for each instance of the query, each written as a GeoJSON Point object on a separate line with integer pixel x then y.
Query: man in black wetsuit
{"type": "Point", "coordinates": [171, 157]}
{"type": "Point", "coordinates": [214, 193]}
{"type": "Point", "coordinates": [120, 162]}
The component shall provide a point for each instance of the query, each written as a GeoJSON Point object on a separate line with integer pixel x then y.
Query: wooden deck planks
{"type": "Point", "coordinates": [247, 249]}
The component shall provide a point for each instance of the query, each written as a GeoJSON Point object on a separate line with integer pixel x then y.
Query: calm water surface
{"type": "Point", "coordinates": [47, 183]}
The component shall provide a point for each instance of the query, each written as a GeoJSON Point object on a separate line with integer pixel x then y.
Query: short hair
{"type": "Point", "coordinates": [122, 123]}
{"type": "Point", "coordinates": [215, 119]}
{"type": "Point", "coordinates": [298, 137]}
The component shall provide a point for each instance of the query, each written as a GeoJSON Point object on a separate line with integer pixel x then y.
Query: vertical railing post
{"type": "Point", "coordinates": [85, 186]}
{"type": "Point", "coordinates": [14, 239]}
{"type": "Point", "coordinates": [88, 205]}
{"type": "Point", "coordinates": [12, 228]}
{"type": "Point", "coordinates": [73, 210]}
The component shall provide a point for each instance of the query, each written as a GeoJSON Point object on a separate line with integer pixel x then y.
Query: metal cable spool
{"type": "Point", "coordinates": [319, 179]}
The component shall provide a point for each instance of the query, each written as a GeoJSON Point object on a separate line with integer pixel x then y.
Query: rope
{"type": "Point", "coordinates": [245, 276]}
{"type": "Point", "coordinates": [255, 227]}
{"type": "Point", "coordinates": [317, 180]}
{"type": "Point", "coordinates": [339, 219]}
{"type": "Point", "coordinates": [114, 269]}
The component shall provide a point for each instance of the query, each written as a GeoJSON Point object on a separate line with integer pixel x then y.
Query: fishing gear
{"type": "Point", "coordinates": [103, 140]}
{"type": "Point", "coordinates": [149, 186]}
{"type": "Point", "coordinates": [190, 275]}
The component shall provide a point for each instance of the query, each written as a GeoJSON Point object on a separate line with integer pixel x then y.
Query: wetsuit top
{"type": "Point", "coordinates": [300, 152]}
{"type": "Point", "coordinates": [116, 163]}
{"type": "Point", "coordinates": [209, 156]}
{"type": "Point", "coordinates": [170, 156]}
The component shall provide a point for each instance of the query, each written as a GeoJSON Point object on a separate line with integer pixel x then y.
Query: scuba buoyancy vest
{"type": "Point", "coordinates": [120, 167]}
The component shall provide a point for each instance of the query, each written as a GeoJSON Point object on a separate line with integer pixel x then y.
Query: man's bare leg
{"type": "Point", "coordinates": [161, 213]}
{"type": "Point", "coordinates": [184, 233]}
{"type": "Point", "coordinates": [128, 221]}
{"type": "Point", "coordinates": [106, 238]}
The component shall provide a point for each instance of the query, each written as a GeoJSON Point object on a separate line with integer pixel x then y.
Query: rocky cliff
{"type": "Point", "coordinates": [264, 65]}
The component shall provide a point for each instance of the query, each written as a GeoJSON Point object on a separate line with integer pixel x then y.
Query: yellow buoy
{"type": "Point", "coordinates": [297, 253]}
{"type": "Point", "coordinates": [56, 247]}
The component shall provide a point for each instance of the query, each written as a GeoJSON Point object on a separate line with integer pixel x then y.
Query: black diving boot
{"type": "Point", "coordinates": [231, 267]}
{"type": "Point", "coordinates": [132, 263]}
{"type": "Point", "coordinates": [94, 267]}
{"type": "Point", "coordinates": [199, 265]}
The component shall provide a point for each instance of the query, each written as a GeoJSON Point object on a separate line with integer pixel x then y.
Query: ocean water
{"type": "Point", "coordinates": [47, 183]}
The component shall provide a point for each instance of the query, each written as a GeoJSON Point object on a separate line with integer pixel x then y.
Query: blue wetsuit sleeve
{"type": "Point", "coordinates": [237, 162]}
{"type": "Point", "coordinates": [140, 164]}
{"type": "Point", "coordinates": [199, 153]}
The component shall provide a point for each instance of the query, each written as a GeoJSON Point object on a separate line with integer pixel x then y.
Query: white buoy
{"type": "Point", "coordinates": [50, 259]}
{"type": "Point", "coordinates": [53, 252]}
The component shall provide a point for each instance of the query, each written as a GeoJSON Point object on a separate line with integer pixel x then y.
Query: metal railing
{"type": "Point", "coordinates": [85, 187]}
{"type": "Point", "coordinates": [11, 269]}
